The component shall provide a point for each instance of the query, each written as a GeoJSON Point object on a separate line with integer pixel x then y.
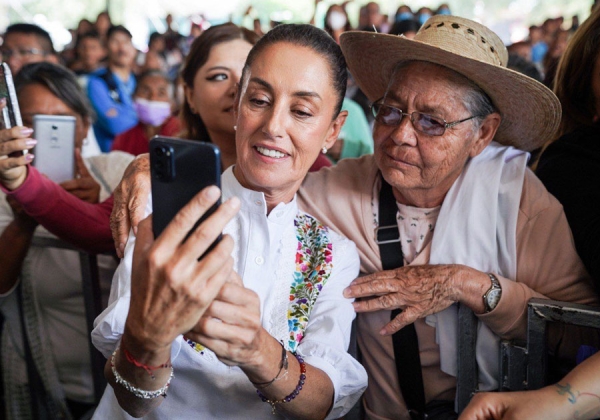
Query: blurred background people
{"type": "Point", "coordinates": [570, 164]}
{"type": "Point", "coordinates": [336, 21]}
{"type": "Point", "coordinates": [110, 89]}
{"type": "Point", "coordinates": [26, 43]}
{"type": "Point", "coordinates": [153, 102]}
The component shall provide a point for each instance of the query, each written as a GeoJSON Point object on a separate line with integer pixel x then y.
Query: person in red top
{"type": "Point", "coordinates": [153, 102]}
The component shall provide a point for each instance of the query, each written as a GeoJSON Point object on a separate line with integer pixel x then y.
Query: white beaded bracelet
{"type": "Point", "coordinates": [140, 393]}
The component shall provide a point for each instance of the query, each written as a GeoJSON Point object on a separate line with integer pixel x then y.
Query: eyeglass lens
{"type": "Point", "coordinates": [26, 52]}
{"type": "Point", "coordinates": [424, 123]}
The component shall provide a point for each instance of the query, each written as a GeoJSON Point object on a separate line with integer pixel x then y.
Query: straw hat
{"type": "Point", "coordinates": [530, 111]}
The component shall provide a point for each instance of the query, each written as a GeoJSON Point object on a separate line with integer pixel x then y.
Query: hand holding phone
{"type": "Point", "coordinates": [11, 115]}
{"type": "Point", "coordinates": [180, 169]}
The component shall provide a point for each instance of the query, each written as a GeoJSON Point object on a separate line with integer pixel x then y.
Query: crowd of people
{"type": "Point", "coordinates": [372, 183]}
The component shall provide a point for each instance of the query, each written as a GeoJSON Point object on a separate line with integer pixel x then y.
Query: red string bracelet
{"type": "Point", "coordinates": [147, 368]}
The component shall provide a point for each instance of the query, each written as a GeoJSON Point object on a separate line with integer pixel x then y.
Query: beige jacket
{"type": "Point", "coordinates": [547, 266]}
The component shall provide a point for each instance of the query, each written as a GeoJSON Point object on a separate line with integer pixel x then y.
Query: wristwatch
{"type": "Point", "coordinates": [493, 294]}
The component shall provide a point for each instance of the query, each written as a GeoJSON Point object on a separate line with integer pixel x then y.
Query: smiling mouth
{"type": "Point", "coordinates": [270, 152]}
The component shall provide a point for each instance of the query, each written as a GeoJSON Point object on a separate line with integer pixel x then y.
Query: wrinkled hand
{"type": "Point", "coordinates": [172, 289]}
{"type": "Point", "coordinates": [84, 186]}
{"type": "Point", "coordinates": [23, 219]}
{"type": "Point", "coordinates": [418, 290]}
{"type": "Point", "coordinates": [131, 196]}
{"type": "Point", "coordinates": [528, 405]}
{"type": "Point", "coordinates": [231, 326]}
{"type": "Point", "coordinates": [13, 170]}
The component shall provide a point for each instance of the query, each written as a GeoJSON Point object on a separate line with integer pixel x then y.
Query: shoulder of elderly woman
{"type": "Point", "coordinates": [535, 198]}
{"type": "Point", "coordinates": [352, 174]}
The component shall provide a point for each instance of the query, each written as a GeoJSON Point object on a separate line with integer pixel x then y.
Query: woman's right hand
{"type": "Point", "coordinates": [13, 169]}
{"type": "Point", "coordinates": [171, 288]}
{"type": "Point", "coordinates": [130, 198]}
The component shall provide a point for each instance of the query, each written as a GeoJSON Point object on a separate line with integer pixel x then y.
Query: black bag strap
{"type": "Point", "coordinates": [406, 342]}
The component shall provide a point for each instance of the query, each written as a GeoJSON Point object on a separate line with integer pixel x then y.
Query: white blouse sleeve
{"type": "Point", "coordinates": [327, 334]}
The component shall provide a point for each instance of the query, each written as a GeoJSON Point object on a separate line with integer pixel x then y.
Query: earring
{"type": "Point", "coordinates": [324, 150]}
{"type": "Point", "coordinates": [234, 127]}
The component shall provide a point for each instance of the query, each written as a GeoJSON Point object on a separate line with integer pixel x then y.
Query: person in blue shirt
{"type": "Point", "coordinates": [110, 90]}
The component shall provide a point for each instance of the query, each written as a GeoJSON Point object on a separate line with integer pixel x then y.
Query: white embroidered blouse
{"type": "Point", "coordinates": [275, 256]}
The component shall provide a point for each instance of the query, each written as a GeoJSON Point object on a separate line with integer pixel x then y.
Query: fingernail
{"type": "Point", "coordinates": [121, 249]}
{"type": "Point", "coordinates": [134, 228]}
{"type": "Point", "coordinates": [382, 331]}
{"type": "Point", "coordinates": [25, 131]}
{"type": "Point", "coordinates": [29, 157]}
{"type": "Point", "coordinates": [212, 192]}
{"type": "Point", "coordinates": [2, 101]}
{"type": "Point", "coordinates": [31, 142]}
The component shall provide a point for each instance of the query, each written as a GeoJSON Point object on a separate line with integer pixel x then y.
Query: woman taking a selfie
{"type": "Point", "coordinates": [210, 74]}
{"type": "Point", "coordinates": [275, 342]}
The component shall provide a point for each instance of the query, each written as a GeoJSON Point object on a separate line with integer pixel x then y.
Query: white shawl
{"type": "Point", "coordinates": [477, 227]}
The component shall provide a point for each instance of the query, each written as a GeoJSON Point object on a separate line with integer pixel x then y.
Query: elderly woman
{"type": "Point", "coordinates": [475, 226]}
{"type": "Point", "coordinates": [275, 342]}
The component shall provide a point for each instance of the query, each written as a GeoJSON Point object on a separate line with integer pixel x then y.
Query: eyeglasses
{"type": "Point", "coordinates": [21, 52]}
{"type": "Point", "coordinates": [424, 123]}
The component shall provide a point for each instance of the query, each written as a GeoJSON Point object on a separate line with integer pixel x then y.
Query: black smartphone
{"type": "Point", "coordinates": [55, 150]}
{"type": "Point", "coordinates": [11, 115]}
{"type": "Point", "coordinates": [180, 169]}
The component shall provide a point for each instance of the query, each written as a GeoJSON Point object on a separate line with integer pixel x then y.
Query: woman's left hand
{"type": "Point", "coordinates": [418, 290]}
{"type": "Point", "coordinates": [231, 325]}
{"type": "Point", "coordinates": [84, 186]}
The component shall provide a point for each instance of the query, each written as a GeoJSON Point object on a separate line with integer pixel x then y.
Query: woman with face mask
{"type": "Point", "coordinates": [152, 100]}
{"type": "Point", "coordinates": [336, 22]}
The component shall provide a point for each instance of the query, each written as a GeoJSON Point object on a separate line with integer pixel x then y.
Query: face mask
{"type": "Point", "coordinates": [444, 12]}
{"type": "Point", "coordinates": [337, 20]}
{"type": "Point", "coordinates": [404, 16]}
{"type": "Point", "coordinates": [153, 113]}
{"type": "Point", "coordinates": [423, 17]}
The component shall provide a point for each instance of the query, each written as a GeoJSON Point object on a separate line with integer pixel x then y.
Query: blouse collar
{"type": "Point", "coordinates": [254, 201]}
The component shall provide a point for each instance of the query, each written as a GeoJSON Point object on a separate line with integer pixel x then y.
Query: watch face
{"type": "Point", "coordinates": [493, 297]}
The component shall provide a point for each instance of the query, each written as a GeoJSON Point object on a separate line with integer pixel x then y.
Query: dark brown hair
{"type": "Point", "coordinates": [193, 126]}
{"type": "Point", "coordinates": [572, 84]}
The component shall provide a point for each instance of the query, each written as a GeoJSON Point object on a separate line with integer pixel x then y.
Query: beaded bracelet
{"type": "Point", "coordinates": [294, 393]}
{"type": "Point", "coordinates": [140, 393]}
{"type": "Point", "coordinates": [283, 365]}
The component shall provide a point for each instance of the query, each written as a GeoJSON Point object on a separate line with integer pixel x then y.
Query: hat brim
{"type": "Point", "coordinates": [530, 111]}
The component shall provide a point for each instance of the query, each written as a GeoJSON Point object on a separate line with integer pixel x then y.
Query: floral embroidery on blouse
{"type": "Point", "coordinates": [313, 268]}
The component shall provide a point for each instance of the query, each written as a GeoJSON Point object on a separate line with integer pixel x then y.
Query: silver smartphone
{"type": "Point", "coordinates": [55, 148]}
{"type": "Point", "coordinates": [11, 115]}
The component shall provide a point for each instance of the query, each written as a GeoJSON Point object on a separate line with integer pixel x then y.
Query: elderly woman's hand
{"type": "Point", "coordinates": [419, 291]}
{"type": "Point", "coordinates": [13, 141]}
{"type": "Point", "coordinates": [171, 290]}
{"type": "Point", "coordinates": [130, 196]}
